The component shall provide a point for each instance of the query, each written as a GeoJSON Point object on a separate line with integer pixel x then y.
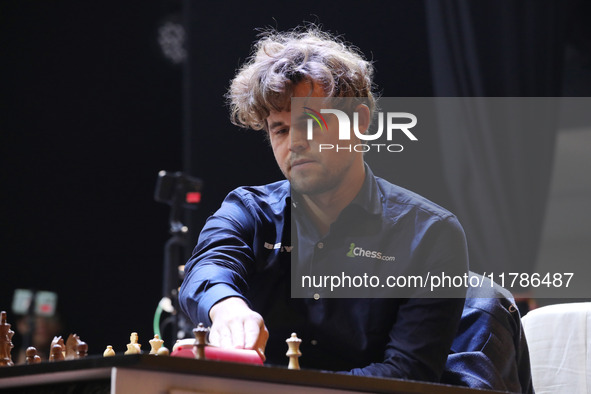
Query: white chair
{"type": "Point", "coordinates": [559, 340]}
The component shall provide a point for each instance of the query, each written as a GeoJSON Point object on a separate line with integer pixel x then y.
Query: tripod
{"type": "Point", "coordinates": [179, 191]}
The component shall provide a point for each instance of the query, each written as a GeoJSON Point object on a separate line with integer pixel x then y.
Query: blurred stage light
{"type": "Point", "coordinates": [171, 37]}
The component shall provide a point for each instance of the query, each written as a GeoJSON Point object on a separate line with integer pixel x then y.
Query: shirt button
{"type": "Point", "coordinates": [316, 296]}
{"type": "Point", "coordinates": [320, 245]}
{"type": "Point", "coordinates": [314, 342]}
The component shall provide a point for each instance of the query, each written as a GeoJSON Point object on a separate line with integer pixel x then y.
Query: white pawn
{"type": "Point", "coordinates": [109, 352]}
{"type": "Point", "coordinates": [163, 351]}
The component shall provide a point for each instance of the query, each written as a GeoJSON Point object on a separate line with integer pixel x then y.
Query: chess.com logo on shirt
{"type": "Point", "coordinates": [356, 251]}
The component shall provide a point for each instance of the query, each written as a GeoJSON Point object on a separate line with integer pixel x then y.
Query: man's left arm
{"type": "Point", "coordinates": [420, 340]}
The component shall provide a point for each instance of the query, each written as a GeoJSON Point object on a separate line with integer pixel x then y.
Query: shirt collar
{"type": "Point", "coordinates": [368, 197]}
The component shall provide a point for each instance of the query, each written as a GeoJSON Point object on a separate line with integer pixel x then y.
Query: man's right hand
{"type": "Point", "coordinates": [235, 325]}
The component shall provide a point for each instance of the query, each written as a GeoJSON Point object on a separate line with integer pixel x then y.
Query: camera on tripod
{"type": "Point", "coordinates": [174, 188]}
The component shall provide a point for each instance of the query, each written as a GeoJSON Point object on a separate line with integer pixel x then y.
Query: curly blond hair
{"type": "Point", "coordinates": [280, 61]}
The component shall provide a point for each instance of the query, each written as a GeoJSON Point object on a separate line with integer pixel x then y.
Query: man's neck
{"type": "Point", "coordinates": [324, 209]}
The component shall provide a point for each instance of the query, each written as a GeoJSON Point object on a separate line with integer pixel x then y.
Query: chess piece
{"type": "Point", "coordinates": [200, 332]}
{"type": "Point", "coordinates": [155, 344]}
{"type": "Point", "coordinates": [81, 349]}
{"type": "Point", "coordinates": [293, 351]}
{"type": "Point", "coordinates": [109, 352]}
{"type": "Point", "coordinates": [58, 341]}
{"type": "Point", "coordinates": [133, 347]}
{"type": "Point", "coordinates": [5, 341]}
{"type": "Point", "coordinates": [32, 356]}
{"type": "Point", "coordinates": [72, 346]}
{"type": "Point", "coordinates": [56, 353]}
{"type": "Point", "coordinates": [163, 351]}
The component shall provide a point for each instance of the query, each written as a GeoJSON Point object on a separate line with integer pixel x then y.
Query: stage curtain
{"type": "Point", "coordinates": [497, 160]}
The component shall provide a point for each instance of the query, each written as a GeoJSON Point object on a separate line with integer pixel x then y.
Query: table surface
{"type": "Point", "coordinates": [94, 367]}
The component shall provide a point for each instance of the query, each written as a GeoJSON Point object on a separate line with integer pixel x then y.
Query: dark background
{"type": "Point", "coordinates": [92, 110]}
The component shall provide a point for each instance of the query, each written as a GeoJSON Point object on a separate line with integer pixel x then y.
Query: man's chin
{"type": "Point", "coordinates": [309, 186]}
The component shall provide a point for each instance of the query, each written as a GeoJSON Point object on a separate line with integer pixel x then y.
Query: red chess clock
{"type": "Point", "coordinates": [244, 356]}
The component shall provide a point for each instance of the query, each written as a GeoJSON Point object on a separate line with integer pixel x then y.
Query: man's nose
{"type": "Point", "coordinates": [297, 140]}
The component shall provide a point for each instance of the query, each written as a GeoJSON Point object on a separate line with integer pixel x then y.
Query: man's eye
{"type": "Point", "coordinates": [280, 131]}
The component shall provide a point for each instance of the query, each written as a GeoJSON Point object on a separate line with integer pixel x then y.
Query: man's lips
{"type": "Point", "coordinates": [300, 162]}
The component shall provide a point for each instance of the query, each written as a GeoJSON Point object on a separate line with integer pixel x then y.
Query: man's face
{"type": "Point", "coordinates": [309, 171]}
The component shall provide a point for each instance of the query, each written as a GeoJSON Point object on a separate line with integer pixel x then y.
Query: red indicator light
{"type": "Point", "coordinates": [193, 197]}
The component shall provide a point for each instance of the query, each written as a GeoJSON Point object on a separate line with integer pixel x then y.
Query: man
{"type": "Point", "coordinates": [239, 279]}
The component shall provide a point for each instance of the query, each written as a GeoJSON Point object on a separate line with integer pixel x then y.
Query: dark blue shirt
{"type": "Point", "coordinates": [490, 349]}
{"type": "Point", "coordinates": [245, 250]}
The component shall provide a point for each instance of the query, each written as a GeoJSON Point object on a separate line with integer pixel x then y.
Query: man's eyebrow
{"type": "Point", "coordinates": [275, 124]}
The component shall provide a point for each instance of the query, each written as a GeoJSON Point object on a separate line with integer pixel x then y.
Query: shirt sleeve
{"type": "Point", "coordinates": [423, 331]}
{"type": "Point", "coordinates": [221, 261]}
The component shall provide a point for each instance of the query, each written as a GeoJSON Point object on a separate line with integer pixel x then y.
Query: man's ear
{"type": "Point", "coordinates": [364, 118]}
